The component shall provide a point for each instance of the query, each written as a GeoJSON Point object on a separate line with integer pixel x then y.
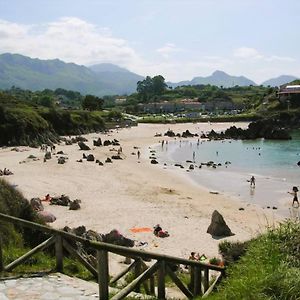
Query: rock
{"type": "Point", "coordinates": [154, 162]}
{"type": "Point", "coordinates": [90, 157]}
{"type": "Point", "coordinates": [298, 163]}
{"type": "Point", "coordinates": [36, 204]}
{"type": "Point", "coordinates": [97, 161]}
{"type": "Point", "coordinates": [83, 146]}
{"type": "Point", "coordinates": [186, 134]}
{"type": "Point", "coordinates": [170, 133]}
{"type": "Point", "coordinates": [108, 160]}
{"type": "Point", "coordinates": [100, 163]}
{"type": "Point", "coordinates": [83, 155]}
{"type": "Point", "coordinates": [47, 155]}
{"type": "Point", "coordinates": [46, 216]}
{"type": "Point", "coordinates": [74, 205]}
{"type": "Point", "coordinates": [97, 143]}
{"type": "Point", "coordinates": [241, 208]}
{"type": "Point", "coordinates": [218, 226]}
{"type": "Point", "coordinates": [189, 161]}
{"type": "Point", "coordinates": [116, 157]}
{"type": "Point", "coordinates": [79, 160]}
{"type": "Point", "coordinates": [191, 167]}
{"type": "Point", "coordinates": [106, 143]}
{"type": "Point", "coordinates": [61, 160]}
{"type": "Point", "coordinates": [114, 237]}
{"type": "Point", "coordinates": [60, 152]}
{"type": "Point", "coordinates": [62, 200]}
{"type": "Point", "coordinates": [274, 207]}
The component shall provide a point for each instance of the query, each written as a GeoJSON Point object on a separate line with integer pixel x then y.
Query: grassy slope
{"type": "Point", "coordinates": [269, 270]}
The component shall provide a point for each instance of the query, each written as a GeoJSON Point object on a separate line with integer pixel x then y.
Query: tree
{"type": "Point", "coordinates": [151, 87]}
{"type": "Point", "coordinates": [91, 102]}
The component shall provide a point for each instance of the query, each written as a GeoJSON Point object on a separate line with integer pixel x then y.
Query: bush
{"type": "Point", "coordinates": [232, 251]}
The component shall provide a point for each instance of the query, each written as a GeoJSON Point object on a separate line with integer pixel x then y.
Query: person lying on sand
{"type": "Point", "coordinates": [159, 232]}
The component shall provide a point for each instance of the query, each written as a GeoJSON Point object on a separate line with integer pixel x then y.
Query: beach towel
{"type": "Point", "coordinates": [140, 229]}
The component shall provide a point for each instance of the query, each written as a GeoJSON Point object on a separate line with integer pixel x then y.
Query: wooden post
{"type": "Point", "coordinates": [206, 280]}
{"type": "Point", "coordinates": [103, 272]}
{"type": "Point", "coordinates": [161, 292]}
{"type": "Point", "coordinates": [152, 285]}
{"type": "Point", "coordinates": [197, 281]}
{"type": "Point", "coordinates": [137, 272]}
{"type": "Point", "coordinates": [1, 257]}
{"type": "Point", "coordinates": [192, 279]}
{"type": "Point", "coordinates": [59, 253]}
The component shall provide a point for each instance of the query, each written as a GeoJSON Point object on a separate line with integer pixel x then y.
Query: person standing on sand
{"type": "Point", "coordinates": [295, 199]}
{"type": "Point", "coordinates": [252, 181]}
{"type": "Point", "coordinates": [138, 154]}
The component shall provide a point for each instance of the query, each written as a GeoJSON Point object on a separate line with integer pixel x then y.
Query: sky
{"type": "Point", "coordinates": [180, 40]}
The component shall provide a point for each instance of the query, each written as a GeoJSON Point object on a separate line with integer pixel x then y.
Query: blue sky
{"type": "Point", "coordinates": [178, 39]}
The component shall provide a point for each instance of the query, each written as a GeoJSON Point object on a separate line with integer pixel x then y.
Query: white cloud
{"type": "Point", "coordinates": [247, 53]}
{"type": "Point", "coordinates": [70, 39]}
{"type": "Point", "coordinates": [167, 49]}
{"type": "Point", "coordinates": [280, 58]}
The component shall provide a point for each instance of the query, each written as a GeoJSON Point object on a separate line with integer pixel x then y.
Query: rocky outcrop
{"type": "Point", "coordinates": [83, 146]}
{"type": "Point", "coordinates": [90, 157]}
{"type": "Point", "coordinates": [218, 226]}
{"type": "Point", "coordinates": [97, 143]}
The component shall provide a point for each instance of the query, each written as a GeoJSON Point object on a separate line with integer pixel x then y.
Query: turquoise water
{"type": "Point", "coordinates": [273, 163]}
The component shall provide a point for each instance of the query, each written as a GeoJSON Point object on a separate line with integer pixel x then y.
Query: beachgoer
{"type": "Point", "coordinates": [138, 154]}
{"type": "Point", "coordinates": [252, 181]}
{"type": "Point", "coordinates": [47, 197]}
{"type": "Point", "coordinates": [194, 155]}
{"type": "Point", "coordinates": [157, 229]}
{"type": "Point", "coordinates": [193, 256]}
{"type": "Point", "coordinates": [295, 199]}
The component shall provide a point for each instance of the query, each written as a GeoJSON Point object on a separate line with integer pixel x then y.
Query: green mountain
{"type": "Point", "coordinates": [280, 80]}
{"type": "Point", "coordinates": [35, 74]}
{"type": "Point", "coordinates": [218, 78]}
{"type": "Point", "coordinates": [124, 80]}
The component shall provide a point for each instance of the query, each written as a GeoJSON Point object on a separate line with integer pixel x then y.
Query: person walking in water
{"type": "Point", "coordinates": [252, 181]}
{"type": "Point", "coordinates": [295, 199]}
{"type": "Point", "coordinates": [194, 155]}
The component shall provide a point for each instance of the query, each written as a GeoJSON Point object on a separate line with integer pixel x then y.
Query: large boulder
{"type": "Point", "coordinates": [218, 226]}
{"type": "Point", "coordinates": [83, 146]}
{"type": "Point", "coordinates": [107, 143]}
{"type": "Point", "coordinates": [47, 155]}
{"type": "Point", "coordinates": [90, 157]}
{"type": "Point", "coordinates": [97, 143]}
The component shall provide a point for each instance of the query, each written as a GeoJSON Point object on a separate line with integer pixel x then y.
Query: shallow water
{"type": "Point", "coordinates": [273, 163]}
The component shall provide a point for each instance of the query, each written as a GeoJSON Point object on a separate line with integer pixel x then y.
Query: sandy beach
{"type": "Point", "coordinates": [132, 193]}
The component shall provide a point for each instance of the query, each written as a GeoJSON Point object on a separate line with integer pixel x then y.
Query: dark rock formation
{"type": "Point", "coordinates": [187, 134]}
{"type": "Point", "coordinates": [90, 157]}
{"type": "Point", "coordinates": [154, 162]}
{"type": "Point", "coordinates": [97, 143]}
{"type": "Point", "coordinates": [61, 160]}
{"type": "Point", "coordinates": [116, 157]}
{"type": "Point", "coordinates": [218, 226]}
{"type": "Point", "coordinates": [47, 155]}
{"type": "Point", "coordinates": [170, 133]}
{"type": "Point", "coordinates": [74, 205]}
{"type": "Point", "coordinates": [62, 200]}
{"type": "Point", "coordinates": [108, 160]}
{"type": "Point", "coordinates": [83, 146]}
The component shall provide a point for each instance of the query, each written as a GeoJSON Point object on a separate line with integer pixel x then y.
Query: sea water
{"type": "Point", "coordinates": [273, 163]}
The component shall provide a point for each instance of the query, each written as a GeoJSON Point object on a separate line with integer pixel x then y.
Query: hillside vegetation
{"type": "Point", "coordinates": [25, 121]}
{"type": "Point", "coordinates": [270, 269]}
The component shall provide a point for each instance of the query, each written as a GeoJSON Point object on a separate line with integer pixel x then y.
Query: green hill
{"type": "Point", "coordinates": [35, 74]}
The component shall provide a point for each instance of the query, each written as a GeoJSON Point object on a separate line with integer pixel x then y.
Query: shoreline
{"type": "Point", "coordinates": [128, 193]}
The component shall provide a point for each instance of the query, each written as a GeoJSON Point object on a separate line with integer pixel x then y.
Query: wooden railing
{"type": "Point", "coordinates": [151, 277]}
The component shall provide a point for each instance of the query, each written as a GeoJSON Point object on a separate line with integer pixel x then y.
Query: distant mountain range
{"type": "Point", "coordinates": [35, 74]}
{"type": "Point", "coordinates": [218, 78]}
{"type": "Point", "coordinates": [101, 79]}
{"type": "Point", "coordinates": [279, 80]}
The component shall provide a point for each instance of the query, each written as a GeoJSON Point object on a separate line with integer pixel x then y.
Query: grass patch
{"type": "Point", "coordinates": [268, 270]}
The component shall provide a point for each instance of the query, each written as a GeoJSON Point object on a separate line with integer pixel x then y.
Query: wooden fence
{"type": "Point", "coordinates": [151, 277]}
